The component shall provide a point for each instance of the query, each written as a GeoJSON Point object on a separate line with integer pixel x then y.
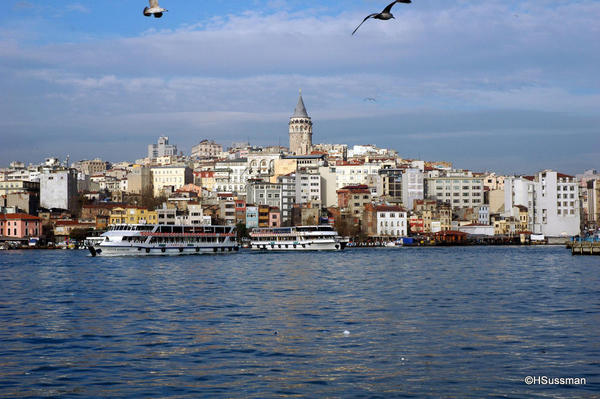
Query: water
{"type": "Point", "coordinates": [421, 322]}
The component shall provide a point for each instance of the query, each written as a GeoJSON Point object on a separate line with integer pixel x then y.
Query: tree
{"type": "Point", "coordinates": [242, 231]}
{"type": "Point", "coordinates": [80, 234]}
{"type": "Point", "coordinates": [149, 201]}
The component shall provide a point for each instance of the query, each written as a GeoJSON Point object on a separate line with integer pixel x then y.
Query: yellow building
{"type": "Point", "coordinates": [133, 215]}
{"type": "Point", "coordinates": [523, 218]}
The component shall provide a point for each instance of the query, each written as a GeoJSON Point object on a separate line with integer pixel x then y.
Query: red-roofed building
{"type": "Point", "coordinates": [20, 225]}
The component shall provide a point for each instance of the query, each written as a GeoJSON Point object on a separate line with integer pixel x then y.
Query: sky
{"type": "Point", "coordinates": [489, 85]}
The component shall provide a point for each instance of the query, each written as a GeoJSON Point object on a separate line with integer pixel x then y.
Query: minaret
{"type": "Point", "coordinates": [300, 130]}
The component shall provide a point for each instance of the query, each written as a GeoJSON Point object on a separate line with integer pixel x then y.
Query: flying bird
{"type": "Point", "coordinates": [154, 9]}
{"type": "Point", "coordinates": [384, 15]}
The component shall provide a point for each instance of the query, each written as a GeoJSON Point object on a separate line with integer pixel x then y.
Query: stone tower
{"type": "Point", "coordinates": [300, 130]}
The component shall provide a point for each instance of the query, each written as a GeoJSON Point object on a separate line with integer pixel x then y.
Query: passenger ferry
{"type": "Point", "coordinates": [300, 238]}
{"type": "Point", "coordinates": [154, 239]}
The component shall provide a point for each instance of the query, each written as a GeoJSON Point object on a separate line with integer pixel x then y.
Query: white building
{"type": "Point", "coordinates": [231, 176]}
{"type": "Point", "coordinates": [552, 200]}
{"type": "Point", "coordinates": [264, 193]}
{"type": "Point", "coordinates": [196, 216]}
{"type": "Point", "coordinates": [59, 190]}
{"type": "Point", "coordinates": [162, 148]}
{"type": "Point", "coordinates": [483, 214]}
{"type": "Point", "coordinates": [412, 187]}
{"type": "Point", "coordinates": [328, 186]}
{"type": "Point", "coordinates": [391, 221]}
{"type": "Point", "coordinates": [369, 149]}
{"type": "Point", "coordinates": [457, 191]}
{"type": "Point", "coordinates": [207, 149]}
{"type": "Point", "coordinates": [261, 165]}
{"type": "Point", "coordinates": [167, 179]}
{"type": "Point", "coordinates": [308, 188]}
{"type": "Point", "coordinates": [355, 173]}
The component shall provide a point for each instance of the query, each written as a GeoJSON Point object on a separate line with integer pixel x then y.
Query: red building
{"type": "Point", "coordinates": [20, 225]}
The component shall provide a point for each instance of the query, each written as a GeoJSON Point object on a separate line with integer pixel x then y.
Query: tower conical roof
{"type": "Point", "coordinates": [300, 110]}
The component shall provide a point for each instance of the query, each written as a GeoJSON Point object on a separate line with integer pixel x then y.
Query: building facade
{"type": "Point", "coordinates": [412, 187]}
{"type": "Point", "coordinates": [133, 215]}
{"type": "Point", "coordinates": [162, 148]}
{"type": "Point", "coordinates": [20, 225]}
{"type": "Point", "coordinates": [59, 190]}
{"type": "Point", "coordinates": [168, 179]}
{"type": "Point", "coordinates": [207, 149]}
{"type": "Point", "coordinates": [456, 191]}
{"type": "Point", "coordinates": [264, 193]}
{"type": "Point", "coordinates": [551, 199]}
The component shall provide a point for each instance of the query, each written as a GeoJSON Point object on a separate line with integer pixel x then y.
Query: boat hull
{"type": "Point", "coordinates": [119, 250]}
{"type": "Point", "coordinates": [298, 246]}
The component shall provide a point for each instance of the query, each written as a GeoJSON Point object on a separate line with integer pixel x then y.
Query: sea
{"type": "Point", "coordinates": [435, 322]}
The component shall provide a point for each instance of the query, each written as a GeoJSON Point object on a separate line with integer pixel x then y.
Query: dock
{"type": "Point", "coordinates": [585, 248]}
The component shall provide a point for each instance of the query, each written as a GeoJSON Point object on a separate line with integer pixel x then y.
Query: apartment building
{"type": "Point", "coordinates": [168, 179]}
{"type": "Point", "coordinates": [207, 149]}
{"type": "Point", "coordinates": [456, 191]}
{"type": "Point", "coordinates": [264, 193]}
{"type": "Point", "coordinates": [231, 176]}
{"type": "Point", "coordinates": [551, 199]}
{"type": "Point", "coordinates": [59, 190]}
{"type": "Point", "coordinates": [412, 187]}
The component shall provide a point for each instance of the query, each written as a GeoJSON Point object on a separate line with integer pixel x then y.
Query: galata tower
{"type": "Point", "coordinates": [300, 130]}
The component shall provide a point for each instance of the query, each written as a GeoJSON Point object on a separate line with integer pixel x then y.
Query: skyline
{"type": "Point", "coordinates": [499, 86]}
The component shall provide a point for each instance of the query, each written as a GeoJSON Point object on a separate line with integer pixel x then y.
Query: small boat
{"type": "Point", "coordinates": [299, 238]}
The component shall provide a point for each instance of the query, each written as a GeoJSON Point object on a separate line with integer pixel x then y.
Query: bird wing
{"type": "Point", "coordinates": [389, 6]}
{"type": "Point", "coordinates": [153, 3]}
{"type": "Point", "coordinates": [363, 21]}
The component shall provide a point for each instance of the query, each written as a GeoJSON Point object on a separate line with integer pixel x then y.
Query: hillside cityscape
{"type": "Point", "coordinates": [366, 192]}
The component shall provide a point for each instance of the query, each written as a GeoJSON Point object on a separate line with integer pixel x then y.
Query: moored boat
{"type": "Point", "coordinates": [149, 239]}
{"type": "Point", "coordinates": [299, 238]}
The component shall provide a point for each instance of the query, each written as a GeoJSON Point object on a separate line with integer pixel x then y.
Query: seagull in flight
{"type": "Point", "coordinates": [384, 15]}
{"type": "Point", "coordinates": [154, 9]}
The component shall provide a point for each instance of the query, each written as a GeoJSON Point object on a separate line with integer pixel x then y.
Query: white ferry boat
{"type": "Point", "coordinates": [300, 238]}
{"type": "Point", "coordinates": [154, 239]}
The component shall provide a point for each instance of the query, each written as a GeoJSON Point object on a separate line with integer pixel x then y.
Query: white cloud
{"type": "Point", "coordinates": [78, 7]}
{"type": "Point", "coordinates": [246, 69]}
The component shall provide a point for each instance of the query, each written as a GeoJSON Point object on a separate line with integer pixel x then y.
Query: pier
{"type": "Point", "coordinates": [585, 248]}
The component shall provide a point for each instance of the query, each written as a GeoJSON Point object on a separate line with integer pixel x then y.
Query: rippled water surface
{"type": "Point", "coordinates": [420, 322]}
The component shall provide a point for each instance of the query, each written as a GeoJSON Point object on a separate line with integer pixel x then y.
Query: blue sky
{"type": "Point", "coordinates": [509, 86]}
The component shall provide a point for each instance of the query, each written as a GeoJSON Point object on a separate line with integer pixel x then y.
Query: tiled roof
{"type": "Point", "coordinates": [18, 216]}
{"type": "Point", "coordinates": [563, 175]}
{"type": "Point", "coordinates": [388, 208]}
